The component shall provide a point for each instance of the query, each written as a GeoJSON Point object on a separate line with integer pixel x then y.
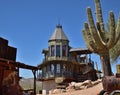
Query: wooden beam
{"type": "Point", "coordinates": [24, 66]}
{"type": "Point", "coordinates": [19, 64]}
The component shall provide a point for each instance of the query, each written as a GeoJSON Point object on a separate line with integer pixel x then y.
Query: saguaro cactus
{"type": "Point", "coordinates": [97, 39]}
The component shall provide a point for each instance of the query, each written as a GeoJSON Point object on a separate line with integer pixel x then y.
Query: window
{"type": "Point", "coordinates": [64, 49]}
{"type": "Point", "coordinates": [58, 68]}
{"type": "Point", "coordinates": [52, 67]}
{"type": "Point", "coordinates": [52, 50]}
{"type": "Point", "coordinates": [44, 71]}
{"type": "Point", "coordinates": [58, 50]}
{"type": "Point", "coordinates": [49, 51]}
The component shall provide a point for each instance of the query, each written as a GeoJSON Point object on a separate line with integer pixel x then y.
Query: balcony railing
{"type": "Point", "coordinates": [89, 62]}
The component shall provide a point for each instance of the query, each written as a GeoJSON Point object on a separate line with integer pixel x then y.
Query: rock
{"type": "Point", "coordinates": [78, 85]}
{"type": "Point", "coordinates": [96, 82]}
{"type": "Point", "coordinates": [73, 83]}
{"type": "Point", "coordinates": [56, 91]}
{"type": "Point", "coordinates": [70, 90]}
{"type": "Point", "coordinates": [82, 87]}
{"type": "Point", "coordinates": [99, 80]}
{"type": "Point", "coordinates": [88, 86]}
{"type": "Point", "coordinates": [63, 90]}
{"type": "Point", "coordinates": [70, 87]}
{"type": "Point", "coordinates": [87, 82]}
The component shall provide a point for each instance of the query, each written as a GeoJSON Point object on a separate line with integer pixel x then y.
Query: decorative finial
{"type": "Point", "coordinates": [59, 25]}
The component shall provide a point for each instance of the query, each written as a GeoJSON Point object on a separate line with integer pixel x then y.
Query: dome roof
{"type": "Point", "coordinates": [58, 34]}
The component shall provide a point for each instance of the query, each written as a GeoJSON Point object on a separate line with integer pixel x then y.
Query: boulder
{"type": "Point", "coordinates": [71, 87]}
{"type": "Point", "coordinates": [96, 82]}
{"type": "Point", "coordinates": [73, 83]}
{"type": "Point", "coordinates": [87, 82]}
{"type": "Point", "coordinates": [56, 91]}
{"type": "Point", "coordinates": [78, 85]}
{"type": "Point", "coordinates": [70, 90]}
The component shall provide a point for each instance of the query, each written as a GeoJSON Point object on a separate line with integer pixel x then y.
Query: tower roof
{"type": "Point", "coordinates": [58, 34]}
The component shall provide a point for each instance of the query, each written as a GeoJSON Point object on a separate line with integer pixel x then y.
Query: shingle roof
{"type": "Point", "coordinates": [58, 34]}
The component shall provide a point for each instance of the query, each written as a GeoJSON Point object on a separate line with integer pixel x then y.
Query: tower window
{"type": "Point", "coordinates": [58, 50]}
{"type": "Point", "coordinates": [52, 50]}
{"type": "Point", "coordinates": [64, 49]}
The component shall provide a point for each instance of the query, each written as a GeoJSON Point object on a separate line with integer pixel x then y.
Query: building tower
{"type": "Point", "coordinates": [58, 45]}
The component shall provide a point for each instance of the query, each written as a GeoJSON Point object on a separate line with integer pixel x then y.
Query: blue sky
{"type": "Point", "coordinates": [28, 24]}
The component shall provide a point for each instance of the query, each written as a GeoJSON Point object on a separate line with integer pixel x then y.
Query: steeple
{"type": "Point", "coordinates": [58, 34]}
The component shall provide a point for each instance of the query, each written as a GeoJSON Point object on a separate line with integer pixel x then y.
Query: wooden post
{"type": "Point", "coordinates": [34, 73]}
{"type": "Point", "coordinates": [2, 77]}
{"type": "Point", "coordinates": [18, 79]}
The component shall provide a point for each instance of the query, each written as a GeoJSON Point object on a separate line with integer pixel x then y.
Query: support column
{"type": "Point", "coordinates": [55, 50]}
{"type": "Point", "coordinates": [34, 73]}
{"type": "Point", "coordinates": [18, 79]}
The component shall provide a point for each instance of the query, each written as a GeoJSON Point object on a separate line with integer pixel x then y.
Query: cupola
{"type": "Point", "coordinates": [58, 44]}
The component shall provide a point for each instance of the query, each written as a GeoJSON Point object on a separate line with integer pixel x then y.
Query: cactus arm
{"type": "Point", "coordinates": [100, 29]}
{"type": "Point", "coordinates": [98, 26]}
{"type": "Point", "coordinates": [111, 40]}
{"type": "Point", "coordinates": [93, 31]}
{"type": "Point", "coordinates": [115, 52]}
{"type": "Point", "coordinates": [99, 18]}
{"type": "Point", "coordinates": [98, 11]}
{"type": "Point", "coordinates": [88, 38]}
{"type": "Point", "coordinates": [99, 14]}
{"type": "Point", "coordinates": [117, 30]}
{"type": "Point", "coordinates": [89, 41]}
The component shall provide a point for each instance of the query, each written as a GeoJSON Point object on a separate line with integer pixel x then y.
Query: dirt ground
{"type": "Point", "coordinates": [90, 91]}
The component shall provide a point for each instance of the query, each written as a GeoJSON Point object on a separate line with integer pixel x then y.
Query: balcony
{"type": "Point", "coordinates": [68, 59]}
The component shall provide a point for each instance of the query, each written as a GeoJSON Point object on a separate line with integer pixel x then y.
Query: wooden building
{"type": "Point", "coordinates": [8, 72]}
{"type": "Point", "coordinates": [63, 64]}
